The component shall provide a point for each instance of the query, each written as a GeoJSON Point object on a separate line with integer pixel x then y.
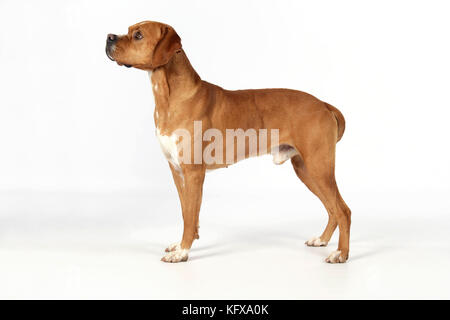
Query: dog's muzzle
{"type": "Point", "coordinates": [111, 40]}
{"type": "Point", "coordinates": [110, 45]}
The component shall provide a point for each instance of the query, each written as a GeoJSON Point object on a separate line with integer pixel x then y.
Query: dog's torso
{"type": "Point", "coordinates": [288, 111]}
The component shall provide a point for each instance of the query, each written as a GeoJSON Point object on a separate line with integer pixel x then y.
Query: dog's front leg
{"type": "Point", "coordinates": [189, 181]}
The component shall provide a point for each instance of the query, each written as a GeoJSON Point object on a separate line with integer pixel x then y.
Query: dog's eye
{"type": "Point", "coordinates": [138, 35]}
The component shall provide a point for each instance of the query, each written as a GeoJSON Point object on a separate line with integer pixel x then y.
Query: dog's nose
{"type": "Point", "coordinates": [111, 38]}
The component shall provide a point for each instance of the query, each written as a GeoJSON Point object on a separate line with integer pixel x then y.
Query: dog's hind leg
{"type": "Point", "coordinates": [338, 209]}
{"type": "Point", "coordinates": [300, 170]}
{"type": "Point", "coordinates": [316, 169]}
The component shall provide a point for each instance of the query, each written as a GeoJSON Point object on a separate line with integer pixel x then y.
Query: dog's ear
{"type": "Point", "coordinates": [169, 43]}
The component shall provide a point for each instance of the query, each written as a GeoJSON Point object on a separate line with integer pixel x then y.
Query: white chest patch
{"type": "Point", "coordinates": [170, 148]}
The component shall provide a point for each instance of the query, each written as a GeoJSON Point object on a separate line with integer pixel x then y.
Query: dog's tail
{"type": "Point", "coordinates": [339, 118]}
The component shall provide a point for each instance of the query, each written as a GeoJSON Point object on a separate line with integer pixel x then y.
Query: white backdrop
{"type": "Point", "coordinates": [72, 121]}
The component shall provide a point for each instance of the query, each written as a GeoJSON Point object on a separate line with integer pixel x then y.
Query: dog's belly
{"type": "Point", "coordinates": [170, 149]}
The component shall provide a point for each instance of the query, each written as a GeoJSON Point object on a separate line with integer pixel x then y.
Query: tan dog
{"type": "Point", "coordinates": [308, 128]}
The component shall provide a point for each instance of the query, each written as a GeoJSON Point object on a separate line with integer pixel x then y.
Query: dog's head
{"type": "Point", "coordinates": [146, 46]}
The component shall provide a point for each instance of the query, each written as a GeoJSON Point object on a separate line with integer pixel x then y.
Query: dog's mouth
{"type": "Point", "coordinates": [108, 54]}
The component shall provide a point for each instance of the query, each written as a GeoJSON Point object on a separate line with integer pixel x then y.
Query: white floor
{"type": "Point", "coordinates": [109, 246]}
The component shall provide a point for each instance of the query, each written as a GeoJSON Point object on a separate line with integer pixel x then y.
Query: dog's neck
{"type": "Point", "coordinates": [176, 80]}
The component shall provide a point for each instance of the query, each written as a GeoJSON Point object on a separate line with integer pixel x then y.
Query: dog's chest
{"type": "Point", "coordinates": [165, 120]}
{"type": "Point", "coordinates": [167, 136]}
{"type": "Point", "coordinates": [169, 147]}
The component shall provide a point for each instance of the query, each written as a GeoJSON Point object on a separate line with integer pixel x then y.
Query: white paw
{"type": "Point", "coordinates": [173, 247]}
{"type": "Point", "coordinates": [336, 257]}
{"type": "Point", "coordinates": [316, 242]}
{"type": "Point", "coordinates": [178, 255]}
